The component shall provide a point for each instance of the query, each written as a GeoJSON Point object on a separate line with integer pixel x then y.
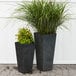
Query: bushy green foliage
{"type": "Point", "coordinates": [43, 15]}
{"type": "Point", "coordinates": [24, 36]}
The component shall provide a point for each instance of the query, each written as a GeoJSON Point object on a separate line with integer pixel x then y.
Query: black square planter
{"type": "Point", "coordinates": [25, 54]}
{"type": "Point", "coordinates": [45, 45]}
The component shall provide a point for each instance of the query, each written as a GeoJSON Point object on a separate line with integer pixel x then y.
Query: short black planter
{"type": "Point", "coordinates": [44, 45]}
{"type": "Point", "coordinates": [25, 53]}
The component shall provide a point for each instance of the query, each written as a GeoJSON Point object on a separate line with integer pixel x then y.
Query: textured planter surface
{"type": "Point", "coordinates": [25, 53]}
{"type": "Point", "coordinates": [45, 45]}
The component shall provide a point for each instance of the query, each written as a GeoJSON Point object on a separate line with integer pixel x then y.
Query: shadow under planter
{"type": "Point", "coordinates": [25, 54]}
{"type": "Point", "coordinates": [45, 45]}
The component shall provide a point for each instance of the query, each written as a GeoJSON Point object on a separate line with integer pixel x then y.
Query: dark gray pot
{"type": "Point", "coordinates": [45, 45]}
{"type": "Point", "coordinates": [25, 53]}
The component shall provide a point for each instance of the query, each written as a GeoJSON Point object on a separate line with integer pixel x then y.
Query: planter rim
{"type": "Point", "coordinates": [44, 34]}
{"type": "Point", "coordinates": [23, 44]}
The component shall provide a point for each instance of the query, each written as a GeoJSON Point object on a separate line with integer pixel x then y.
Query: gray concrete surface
{"type": "Point", "coordinates": [58, 70]}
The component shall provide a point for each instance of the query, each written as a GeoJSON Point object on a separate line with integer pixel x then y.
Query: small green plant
{"type": "Point", "coordinates": [24, 36]}
{"type": "Point", "coordinates": [43, 15]}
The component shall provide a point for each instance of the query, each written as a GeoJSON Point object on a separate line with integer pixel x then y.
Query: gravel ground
{"type": "Point", "coordinates": [58, 70]}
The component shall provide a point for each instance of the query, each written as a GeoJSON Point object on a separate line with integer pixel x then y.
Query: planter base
{"type": "Point", "coordinates": [45, 69]}
{"type": "Point", "coordinates": [25, 71]}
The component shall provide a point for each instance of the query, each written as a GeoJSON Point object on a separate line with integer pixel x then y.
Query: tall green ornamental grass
{"type": "Point", "coordinates": [43, 15]}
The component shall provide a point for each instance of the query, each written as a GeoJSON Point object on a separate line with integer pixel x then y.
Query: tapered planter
{"type": "Point", "coordinates": [45, 45]}
{"type": "Point", "coordinates": [25, 53]}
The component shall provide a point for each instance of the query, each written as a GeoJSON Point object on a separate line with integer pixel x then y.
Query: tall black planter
{"type": "Point", "coordinates": [25, 53]}
{"type": "Point", "coordinates": [45, 45]}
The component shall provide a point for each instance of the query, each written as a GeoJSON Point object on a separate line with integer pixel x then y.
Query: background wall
{"type": "Point", "coordinates": [65, 51]}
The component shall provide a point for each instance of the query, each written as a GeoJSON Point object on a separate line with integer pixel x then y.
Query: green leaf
{"type": "Point", "coordinates": [24, 36]}
{"type": "Point", "coordinates": [45, 16]}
